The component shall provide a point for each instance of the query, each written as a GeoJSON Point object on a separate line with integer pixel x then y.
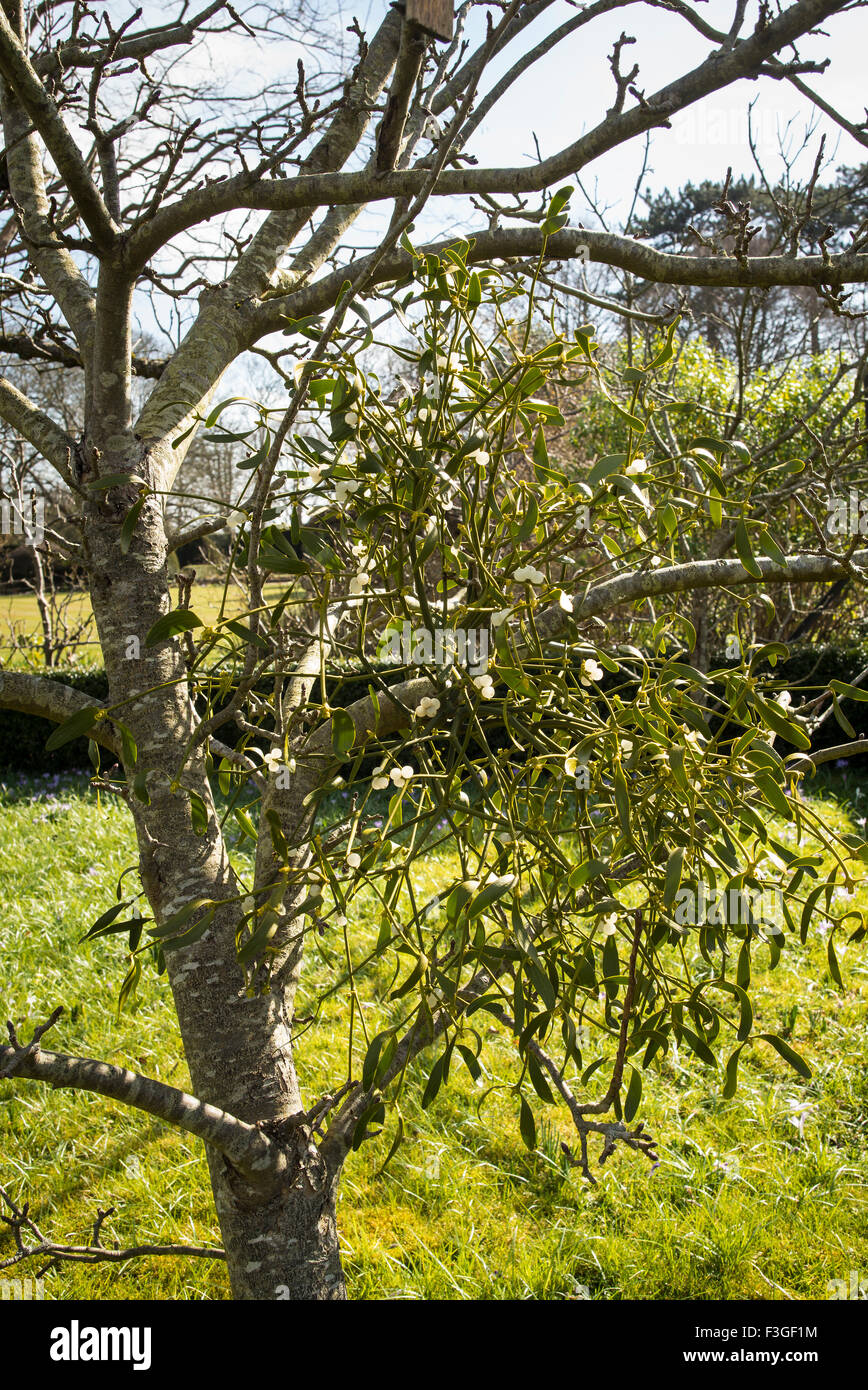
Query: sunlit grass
{"type": "Point", "coordinates": [19, 612]}
{"type": "Point", "coordinates": [753, 1198]}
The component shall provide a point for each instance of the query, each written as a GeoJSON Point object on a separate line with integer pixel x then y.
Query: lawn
{"type": "Point", "coordinates": [19, 612]}
{"type": "Point", "coordinates": [760, 1197]}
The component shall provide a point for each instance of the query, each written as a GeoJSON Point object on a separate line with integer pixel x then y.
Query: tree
{"type": "Point", "coordinates": [135, 212]}
{"type": "Point", "coordinates": [753, 329]}
{"type": "Point", "coordinates": [802, 424]}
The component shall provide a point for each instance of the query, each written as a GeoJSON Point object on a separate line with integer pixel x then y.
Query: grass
{"type": "Point", "coordinates": [753, 1198]}
{"type": "Point", "coordinates": [19, 612]}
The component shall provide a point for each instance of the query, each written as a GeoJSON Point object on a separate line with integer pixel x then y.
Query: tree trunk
{"type": "Point", "coordinates": [283, 1249]}
{"type": "Point", "coordinates": [238, 1047]}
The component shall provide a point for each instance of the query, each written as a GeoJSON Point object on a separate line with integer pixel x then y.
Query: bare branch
{"type": "Point", "coordinates": [802, 762]}
{"type": "Point", "coordinates": [22, 1225]}
{"type": "Point", "coordinates": [259, 1159]}
{"type": "Point", "coordinates": [315, 190]}
{"type": "Point", "coordinates": [50, 699]}
{"type": "Point", "coordinates": [41, 349]}
{"type": "Point", "coordinates": [16, 69]}
{"type": "Point", "coordinates": [411, 56]}
{"type": "Point", "coordinates": [53, 443]}
{"type": "Point", "coordinates": [197, 532]}
{"type": "Point", "coordinates": [512, 243]}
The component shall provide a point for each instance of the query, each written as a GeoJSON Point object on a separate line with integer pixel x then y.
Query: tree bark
{"type": "Point", "coordinates": [238, 1048]}
{"type": "Point", "coordinates": [286, 1248]}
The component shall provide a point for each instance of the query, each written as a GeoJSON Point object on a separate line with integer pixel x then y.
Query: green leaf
{"type": "Point", "coordinates": [140, 787]}
{"type": "Point", "coordinates": [375, 1113]}
{"type": "Point", "coordinates": [179, 620]}
{"type": "Point", "coordinates": [634, 1095]}
{"type": "Point", "coordinates": [128, 743]}
{"type": "Point", "coordinates": [667, 351]}
{"type": "Point", "coordinates": [542, 984]}
{"type": "Point", "coordinates": [841, 717]}
{"type": "Point", "coordinates": [177, 919]}
{"type": "Point", "coordinates": [278, 839]}
{"type": "Point", "coordinates": [246, 823]}
{"type": "Point", "coordinates": [396, 1144]}
{"type": "Point", "coordinates": [556, 217]}
{"type": "Point", "coordinates": [103, 925]}
{"type": "Point", "coordinates": [851, 692]}
{"type": "Point", "coordinates": [622, 804]}
{"type": "Point", "coordinates": [808, 911]}
{"type": "Point", "coordinates": [110, 480]}
{"type": "Point", "coordinates": [701, 1048]}
{"type": "Point", "coordinates": [246, 633]}
{"type": "Point", "coordinates": [492, 890]}
{"type": "Point", "coordinates": [605, 467]}
{"type": "Point", "coordinates": [412, 979]}
{"type": "Point", "coordinates": [124, 925]}
{"type": "Point", "coordinates": [515, 679]}
{"type": "Point", "coordinates": [769, 546]}
{"type": "Point", "coordinates": [774, 718]}
{"type": "Point", "coordinates": [745, 1007]}
{"type": "Point", "coordinates": [611, 966]}
{"type": "Point", "coordinates": [731, 1083]}
{"type": "Point", "coordinates": [343, 732]}
{"type": "Point", "coordinates": [561, 198]}
{"type": "Point", "coordinates": [632, 420]}
{"type": "Point", "coordinates": [198, 813]}
{"type": "Point", "coordinates": [742, 971]}
{"type": "Point", "coordinates": [773, 794]}
{"type": "Point", "coordinates": [674, 869]}
{"type": "Point", "coordinates": [540, 452]}
{"type": "Point", "coordinates": [372, 1057]}
{"type": "Point", "coordinates": [537, 1080]}
{"type": "Point", "coordinates": [531, 517]}
{"type": "Point", "coordinates": [745, 553]}
{"type": "Point", "coordinates": [471, 1061]}
{"type": "Point", "coordinates": [527, 1125]}
{"type": "Point", "coordinates": [198, 929]}
{"type": "Point", "coordinates": [796, 1062]}
{"type": "Point", "coordinates": [129, 525]}
{"type": "Point", "coordinates": [435, 1081]}
{"type": "Point", "coordinates": [834, 967]}
{"type": "Point", "coordinates": [459, 897]}
{"type": "Point", "coordinates": [583, 872]}
{"type": "Point", "coordinates": [130, 983]}
{"type": "Point", "coordinates": [74, 727]}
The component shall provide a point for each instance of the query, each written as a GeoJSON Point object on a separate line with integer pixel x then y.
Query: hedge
{"type": "Point", "coordinates": [22, 736]}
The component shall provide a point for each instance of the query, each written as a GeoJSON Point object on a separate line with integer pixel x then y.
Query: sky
{"type": "Point", "coordinates": [569, 91]}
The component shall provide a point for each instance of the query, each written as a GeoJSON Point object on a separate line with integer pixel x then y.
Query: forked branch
{"type": "Point", "coordinates": [260, 1161]}
{"type": "Point", "coordinates": [32, 1244]}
